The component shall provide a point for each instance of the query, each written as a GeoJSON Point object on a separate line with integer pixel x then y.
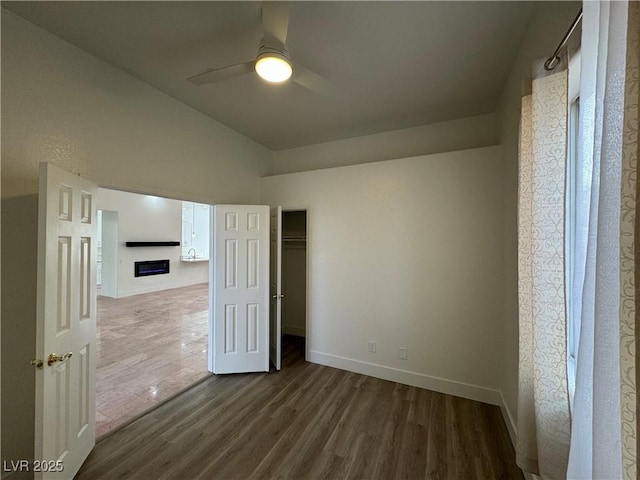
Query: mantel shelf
{"type": "Point", "coordinates": [152, 244]}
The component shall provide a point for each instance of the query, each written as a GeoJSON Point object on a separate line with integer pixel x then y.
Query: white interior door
{"type": "Point", "coordinates": [66, 322]}
{"type": "Point", "coordinates": [239, 289]}
{"type": "Point", "coordinates": [275, 319]}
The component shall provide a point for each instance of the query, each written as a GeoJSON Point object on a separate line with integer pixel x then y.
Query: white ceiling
{"type": "Point", "coordinates": [396, 64]}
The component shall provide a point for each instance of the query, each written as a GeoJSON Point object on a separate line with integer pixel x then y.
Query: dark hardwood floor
{"type": "Point", "coordinates": [308, 422]}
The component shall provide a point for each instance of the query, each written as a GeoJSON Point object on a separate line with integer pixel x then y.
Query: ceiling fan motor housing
{"type": "Point", "coordinates": [270, 48]}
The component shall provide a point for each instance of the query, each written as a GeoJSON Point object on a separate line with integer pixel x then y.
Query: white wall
{"type": "Point", "coordinates": [149, 218]}
{"type": "Point", "coordinates": [548, 25]}
{"type": "Point", "coordinates": [64, 106]}
{"type": "Point", "coordinates": [461, 134]}
{"type": "Point", "coordinates": [406, 253]}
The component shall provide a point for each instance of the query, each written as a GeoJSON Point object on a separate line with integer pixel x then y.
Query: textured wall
{"type": "Point", "coordinates": [64, 106]}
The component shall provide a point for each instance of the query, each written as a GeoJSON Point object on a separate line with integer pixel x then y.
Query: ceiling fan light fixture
{"type": "Point", "coordinates": [273, 67]}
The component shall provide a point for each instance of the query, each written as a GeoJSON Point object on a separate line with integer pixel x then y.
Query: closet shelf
{"type": "Point", "coordinates": [294, 239]}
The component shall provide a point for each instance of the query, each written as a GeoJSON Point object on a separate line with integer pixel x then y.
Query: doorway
{"type": "Point", "coordinates": [152, 327]}
{"type": "Point", "coordinates": [294, 280]}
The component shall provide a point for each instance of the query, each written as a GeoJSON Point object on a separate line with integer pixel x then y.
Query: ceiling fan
{"type": "Point", "coordinates": [272, 62]}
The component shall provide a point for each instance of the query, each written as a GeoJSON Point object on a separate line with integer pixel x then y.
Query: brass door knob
{"type": "Point", "coordinates": [53, 358]}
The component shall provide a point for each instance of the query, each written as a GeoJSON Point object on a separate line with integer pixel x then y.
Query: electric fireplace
{"type": "Point", "coordinates": [151, 267]}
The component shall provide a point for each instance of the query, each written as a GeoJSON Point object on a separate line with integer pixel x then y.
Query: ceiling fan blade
{"type": "Point", "coordinates": [314, 82]}
{"type": "Point", "coordinates": [275, 20]}
{"type": "Point", "coordinates": [220, 74]}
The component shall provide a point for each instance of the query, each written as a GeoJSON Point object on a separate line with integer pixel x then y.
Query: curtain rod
{"type": "Point", "coordinates": [553, 60]}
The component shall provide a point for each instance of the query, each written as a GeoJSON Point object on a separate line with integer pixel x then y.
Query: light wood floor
{"type": "Point", "coordinates": [306, 422]}
{"type": "Point", "coordinates": [150, 347]}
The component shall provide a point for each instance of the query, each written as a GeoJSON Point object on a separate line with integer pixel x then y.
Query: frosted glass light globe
{"type": "Point", "coordinates": [273, 68]}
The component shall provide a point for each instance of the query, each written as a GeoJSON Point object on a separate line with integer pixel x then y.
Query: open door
{"type": "Point", "coordinates": [275, 320]}
{"type": "Point", "coordinates": [66, 322]}
{"type": "Point", "coordinates": [239, 289]}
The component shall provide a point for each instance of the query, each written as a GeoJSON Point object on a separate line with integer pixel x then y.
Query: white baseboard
{"type": "Point", "coordinates": [156, 288]}
{"type": "Point", "coordinates": [450, 387]}
{"type": "Point", "coordinates": [509, 420]}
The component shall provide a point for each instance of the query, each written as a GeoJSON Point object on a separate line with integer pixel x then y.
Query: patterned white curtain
{"type": "Point", "coordinates": [604, 423]}
{"type": "Point", "coordinates": [630, 251]}
{"type": "Point", "coordinates": [543, 399]}
{"type": "Point", "coordinates": [597, 438]}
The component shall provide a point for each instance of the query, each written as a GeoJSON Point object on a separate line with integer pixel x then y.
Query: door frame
{"type": "Point", "coordinates": [307, 316]}
{"type": "Point", "coordinates": [275, 287]}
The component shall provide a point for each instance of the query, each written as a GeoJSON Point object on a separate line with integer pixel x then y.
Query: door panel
{"type": "Point", "coordinates": [239, 289]}
{"type": "Point", "coordinates": [275, 327]}
{"type": "Point", "coordinates": [66, 321]}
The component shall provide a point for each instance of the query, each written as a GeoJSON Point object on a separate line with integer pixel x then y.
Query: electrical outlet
{"type": "Point", "coordinates": [372, 346]}
{"type": "Point", "coordinates": [403, 353]}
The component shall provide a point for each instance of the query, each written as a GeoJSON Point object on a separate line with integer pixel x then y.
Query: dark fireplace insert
{"type": "Point", "coordinates": [151, 267]}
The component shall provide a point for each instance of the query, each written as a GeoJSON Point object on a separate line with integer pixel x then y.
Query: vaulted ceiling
{"type": "Point", "coordinates": [394, 64]}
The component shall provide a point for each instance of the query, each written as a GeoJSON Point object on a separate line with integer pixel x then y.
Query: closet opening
{"type": "Point", "coordinates": [294, 285]}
